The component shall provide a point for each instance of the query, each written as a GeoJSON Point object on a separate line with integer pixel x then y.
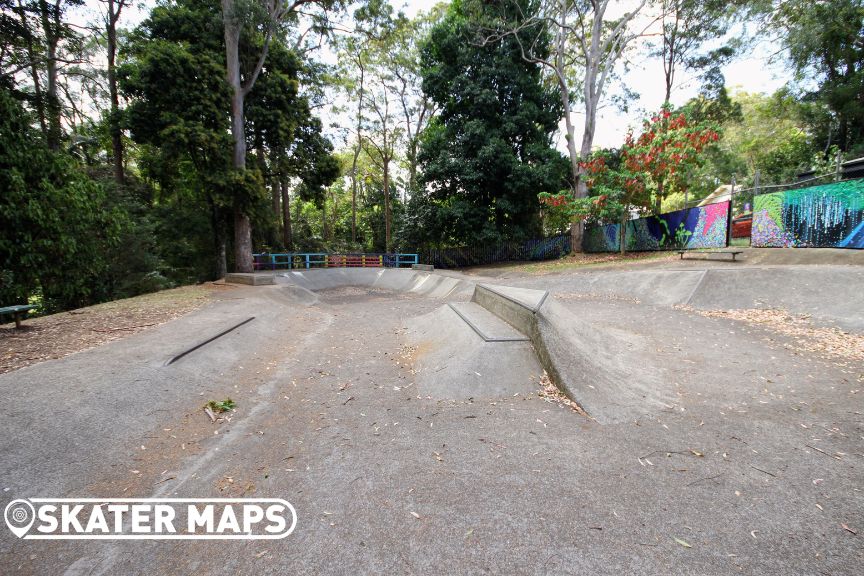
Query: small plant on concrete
{"type": "Point", "coordinates": [223, 406]}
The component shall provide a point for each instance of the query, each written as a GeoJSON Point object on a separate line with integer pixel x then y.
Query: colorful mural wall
{"type": "Point", "coordinates": [827, 216]}
{"type": "Point", "coordinates": [699, 227]}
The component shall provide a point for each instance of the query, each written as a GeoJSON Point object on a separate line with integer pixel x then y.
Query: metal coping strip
{"type": "Point", "coordinates": [480, 332]}
{"type": "Point", "coordinates": [205, 342]}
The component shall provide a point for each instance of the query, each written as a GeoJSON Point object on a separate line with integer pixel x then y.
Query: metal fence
{"type": "Point", "coordinates": [539, 249]}
{"type": "Point", "coordinates": [307, 260]}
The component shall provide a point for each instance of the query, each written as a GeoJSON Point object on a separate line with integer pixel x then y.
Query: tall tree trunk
{"type": "Point", "coordinates": [325, 229]}
{"type": "Point", "coordinates": [576, 225]}
{"type": "Point", "coordinates": [387, 236]}
{"type": "Point", "coordinates": [34, 74]}
{"type": "Point", "coordinates": [658, 198]}
{"type": "Point", "coordinates": [287, 238]}
{"type": "Point", "coordinates": [116, 135]}
{"type": "Point", "coordinates": [357, 149]}
{"type": "Point", "coordinates": [622, 234]}
{"type": "Point", "coordinates": [216, 221]}
{"type": "Point", "coordinates": [276, 206]}
{"type": "Point", "coordinates": [51, 27]}
{"type": "Point", "coordinates": [242, 225]}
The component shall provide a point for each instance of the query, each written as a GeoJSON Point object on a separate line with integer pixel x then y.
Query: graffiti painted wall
{"type": "Point", "coordinates": [827, 216]}
{"type": "Point", "coordinates": [699, 227]}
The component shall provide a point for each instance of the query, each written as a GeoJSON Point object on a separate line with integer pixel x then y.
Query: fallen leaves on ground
{"type": "Point", "coordinates": [551, 393]}
{"type": "Point", "coordinates": [825, 341]}
{"type": "Point", "coordinates": [58, 335]}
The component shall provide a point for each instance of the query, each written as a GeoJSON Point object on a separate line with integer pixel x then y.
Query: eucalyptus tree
{"type": "Point", "coordinates": [373, 21]}
{"type": "Point", "coordinates": [265, 19]}
{"type": "Point", "coordinates": [579, 43]}
{"type": "Point", "coordinates": [403, 58]}
{"type": "Point", "coordinates": [686, 28]}
{"type": "Point", "coordinates": [42, 42]}
{"type": "Point", "coordinates": [111, 18]}
{"type": "Point", "coordinates": [383, 131]}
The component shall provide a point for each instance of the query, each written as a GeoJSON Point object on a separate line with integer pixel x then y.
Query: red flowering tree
{"type": "Point", "coordinates": [613, 192]}
{"type": "Point", "coordinates": [649, 167]}
{"type": "Point", "coordinates": [668, 146]}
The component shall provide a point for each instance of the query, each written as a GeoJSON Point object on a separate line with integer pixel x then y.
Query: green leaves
{"type": "Point", "coordinates": [489, 153]}
{"type": "Point", "coordinates": [57, 233]}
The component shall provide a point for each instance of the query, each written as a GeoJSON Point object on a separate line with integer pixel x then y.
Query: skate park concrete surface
{"type": "Point", "coordinates": [399, 412]}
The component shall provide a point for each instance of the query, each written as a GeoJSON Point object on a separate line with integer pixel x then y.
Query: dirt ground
{"type": "Point", "coordinates": [58, 335]}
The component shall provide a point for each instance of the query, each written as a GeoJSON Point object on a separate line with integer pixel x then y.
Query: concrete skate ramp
{"type": "Point", "coordinates": [610, 372]}
{"type": "Point", "coordinates": [301, 295]}
{"type": "Point", "coordinates": [830, 293]}
{"type": "Point", "coordinates": [399, 280]}
{"type": "Point", "coordinates": [833, 294]}
{"type": "Point", "coordinates": [655, 287]}
{"type": "Point", "coordinates": [452, 361]}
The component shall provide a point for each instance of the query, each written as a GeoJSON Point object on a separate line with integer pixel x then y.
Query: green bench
{"type": "Point", "coordinates": [708, 254]}
{"type": "Point", "coordinates": [19, 312]}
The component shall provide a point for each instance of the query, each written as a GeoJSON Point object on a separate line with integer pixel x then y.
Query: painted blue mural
{"type": "Point", "coordinates": [698, 227]}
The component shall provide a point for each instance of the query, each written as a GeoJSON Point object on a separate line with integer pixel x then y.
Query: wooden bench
{"type": "Point", "coordinates": [18, 312]}
{"type": "Point", "coordinates": [734, 253]}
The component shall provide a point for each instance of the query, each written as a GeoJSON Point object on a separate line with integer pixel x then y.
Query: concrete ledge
{"type": "Point", "coordinates": [515, 312]}
{"type": "Point", "coordinates": [423, 267]}
{"type": "Point", "coordinates": [250, 279]}
{"type": "Point", "coordinates": [525, 311]}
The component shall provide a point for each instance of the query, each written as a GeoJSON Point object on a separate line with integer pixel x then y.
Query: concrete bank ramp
{"type": "Point", "coordinates": [655, 287]}
{"type": "Point", "coordinates": [611, 373]}
{"type": "Point", "coordinates": [833, 294]}
{"type": "Point", "coordinates": [426, 284]}
{"type": "Point", "coordinates": [608, 371]}
{"type": "Point", "coordinates": [452, 360]}
{"type": "Point", "coordinates": [300, 295]}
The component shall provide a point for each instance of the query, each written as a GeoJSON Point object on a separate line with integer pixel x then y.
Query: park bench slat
{"type": "Point", "coordinates": [734, 253]}
{"type": "Point", "coordinates": [18, 312]}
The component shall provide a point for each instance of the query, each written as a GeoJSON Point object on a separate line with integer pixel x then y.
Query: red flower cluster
{"type": "Point", "coordinates": [554, 201]}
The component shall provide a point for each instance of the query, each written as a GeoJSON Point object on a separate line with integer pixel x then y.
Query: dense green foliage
{"type": "Point", "coordinates": [824, 40]}
{"type": "Point", "coordinates": [489, 152]}
{"type": "Point", "coordinates": [59, 236]}
{"type": "Point", "coordinates": [118, 172]}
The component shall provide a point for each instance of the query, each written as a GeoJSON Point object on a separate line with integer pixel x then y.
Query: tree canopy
{"type": "Point", "coordinates": [137, 157]}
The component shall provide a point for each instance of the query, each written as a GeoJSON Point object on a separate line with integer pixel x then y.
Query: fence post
{"type": "Point", "coordinates": [839, 171]}
{"type": "Point", "coordinates": [731, 212]}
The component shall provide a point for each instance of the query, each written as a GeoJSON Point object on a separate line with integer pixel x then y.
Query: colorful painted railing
{"type": "Point", "coordinates": [308, 260]}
